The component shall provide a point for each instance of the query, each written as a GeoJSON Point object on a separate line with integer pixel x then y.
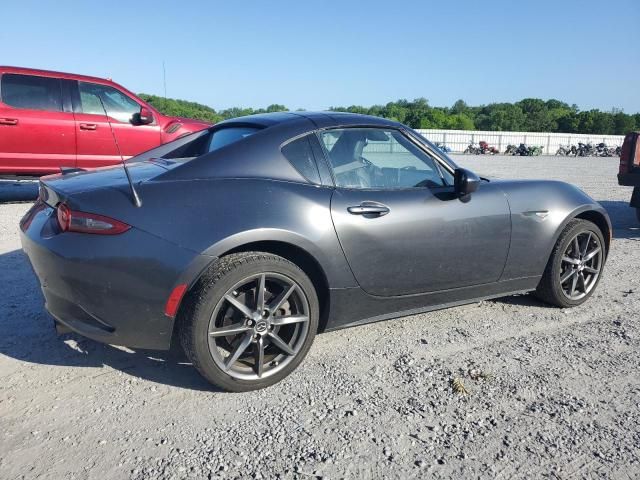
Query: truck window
{"type": "Point", "coordinates": [117, 104]}
{"type": "Point", "coordinates": [31, 92]}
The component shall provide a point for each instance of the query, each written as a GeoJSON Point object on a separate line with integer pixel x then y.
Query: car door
{"type": "Point", "coordinates": [96, 131]}
{"type": "Point", "coordinates": [37, 129]}
{"type": "Point", "coordinates": [402, 228]}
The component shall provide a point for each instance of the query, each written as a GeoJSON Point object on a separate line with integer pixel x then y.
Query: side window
{"type": "Point", "coordinates": [31, 92]}
{"type": "Point", "coordinates": [379, 158]}
{"type": "Point", "coordinates": [116, 103]}
{"type": "Point", "coordinates": [300, 155]}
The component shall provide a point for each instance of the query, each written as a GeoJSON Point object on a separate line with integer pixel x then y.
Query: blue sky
{"type": "Point", "coordinates": [319, 54]}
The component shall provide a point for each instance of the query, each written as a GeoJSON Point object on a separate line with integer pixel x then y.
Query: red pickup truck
{"type": "Point", "coordinates": [629, 170]}
{"type": "Point", "coordinates": [50, 120]}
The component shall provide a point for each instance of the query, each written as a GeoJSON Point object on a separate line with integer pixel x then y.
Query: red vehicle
{"type": "Point", "coordinates": [50, 120]}
{"type": "Point", "coordinates": [629, 170]}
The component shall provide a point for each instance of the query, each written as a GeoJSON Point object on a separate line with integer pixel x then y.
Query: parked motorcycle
{"type": "Point", "coordinates": [534, 151]}
{"type": "Point", "coordinates": [511, 150]}
{"type": "Point", "coordinates": [584, 149]}
{"type": "Point", "coordinates": [602, 150]}
{"type": "Point", "coordinates": [486, 149]}
{"type": "Point", "coordinates": [522, 150]}
{"type": "Point", "coordinates": [472, 149]}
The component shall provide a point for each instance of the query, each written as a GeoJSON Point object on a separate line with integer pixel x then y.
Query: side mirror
{"type": "Point", "coordinates": [465, 181]}
{"type": "Point", "coordinates": [145, 117]}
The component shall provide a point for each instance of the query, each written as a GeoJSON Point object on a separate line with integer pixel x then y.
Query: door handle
{"type": "Point", "coordinates": [369, 208]}
{"type": "Point", "coordinates": [88, 126]}
{"type": "Point", "coordinates": [8, 121]}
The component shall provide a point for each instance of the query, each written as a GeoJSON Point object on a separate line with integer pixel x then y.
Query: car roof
{"type": "Point", "coordinates": [260, 155]}
{"type": "Point", "coordinates": [51, 73]}
{"type": "Point", "coordinates": [326, 119]}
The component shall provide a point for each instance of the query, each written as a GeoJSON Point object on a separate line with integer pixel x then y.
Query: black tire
{"type": "Point", "coordinates": [209, 293]}
{"type": "Point", "coordinates": [550, 289]}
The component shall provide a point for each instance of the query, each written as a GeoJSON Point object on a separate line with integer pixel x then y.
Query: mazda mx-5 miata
{"type": "Point", "coordinates": [248, 238]}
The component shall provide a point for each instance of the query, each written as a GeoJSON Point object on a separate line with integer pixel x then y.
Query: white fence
{"type": "Point", "coordinates": [458, 140]}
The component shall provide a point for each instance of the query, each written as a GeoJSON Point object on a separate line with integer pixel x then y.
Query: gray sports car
{"type": "Point", "coordinates": [250, 237]}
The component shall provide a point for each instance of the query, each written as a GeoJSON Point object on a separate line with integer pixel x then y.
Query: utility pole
{"type": "Point", "coordinates": [164, 80]}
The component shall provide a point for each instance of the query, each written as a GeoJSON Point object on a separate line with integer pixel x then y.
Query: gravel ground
{"type": "Point", "coordinates": [552, 393]}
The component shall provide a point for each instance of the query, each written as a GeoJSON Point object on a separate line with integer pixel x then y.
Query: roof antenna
{"type": "Point", "coordinates": [164, 81]}
{"type": "Point", "coordinates": [136, 199]}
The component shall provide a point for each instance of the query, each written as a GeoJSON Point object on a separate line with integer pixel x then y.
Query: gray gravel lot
{"type": "Point", "coordinates": [559, 396]}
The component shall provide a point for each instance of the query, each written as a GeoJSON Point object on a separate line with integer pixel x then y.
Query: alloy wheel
{"type": "Point", "coordinates": [580, 265]}
{"type": "Point", "coordinates": [259, 326]}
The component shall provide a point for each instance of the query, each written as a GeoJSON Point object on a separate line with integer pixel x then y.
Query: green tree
{"type": "Point", "coordinates": [276, 107]}
{"type": "Point", "coordinates": [530, 114]}
{"type": "Point", "coordinates": [459, 121]}
{"type": "Point", "coordinates": [460, 107]}
{"type": "Point", "coordinates": [623, 123]}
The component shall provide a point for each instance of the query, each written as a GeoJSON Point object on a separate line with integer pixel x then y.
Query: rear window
{"type": "Point", "coordinates": [31, 92]}
{"type": "Point", "coordinates": [226, 136]}
{"type": "Point", "coordinates": [197, 144]}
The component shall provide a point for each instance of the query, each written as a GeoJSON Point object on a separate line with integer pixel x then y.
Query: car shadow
{"type": "Point", "coordinates": [27, 334]}
{"type": "Point", "coordinates": [521, 300]}
{"type": "Point", "coordinates": [623, 218]}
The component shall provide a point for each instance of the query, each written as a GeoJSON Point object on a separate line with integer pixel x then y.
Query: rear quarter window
{"type": "Point", "coordinates": [300, 155]}
{"type": "Point", "coordinates": [226, 136]}
{"type": "Point", "coordinates": [31, 92]}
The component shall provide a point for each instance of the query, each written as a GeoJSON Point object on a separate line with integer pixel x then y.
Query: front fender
{"type": "Point", "coordinates": [540, 210]}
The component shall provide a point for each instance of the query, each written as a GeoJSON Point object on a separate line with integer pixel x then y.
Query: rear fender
{"type": "Point", "coordinates": [333, 266]}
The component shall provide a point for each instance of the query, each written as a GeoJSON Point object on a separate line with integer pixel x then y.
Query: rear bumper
{"type": "Point", "coordinates": [112, 289]}
{"type": "Point", "coordinates": [629, 179]}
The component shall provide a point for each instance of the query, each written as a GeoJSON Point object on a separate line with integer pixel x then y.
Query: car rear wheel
{"type": "Point", "coordinates": [575, 266]}
{"type": "Point", "coordinates": [250, 322]}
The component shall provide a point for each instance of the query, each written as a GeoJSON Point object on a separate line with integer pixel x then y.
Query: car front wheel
{"type": "Point", "coordinates": [575, 266]}
{"type": "Point", "coordinates": [250, 322]}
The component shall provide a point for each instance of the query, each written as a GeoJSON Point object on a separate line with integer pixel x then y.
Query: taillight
{"type": "Point", "coordinates": [630, 153]}
{"type": "Point", "coordinates": [83, 222]}
{"type": "Point", "coordinates": [64, 217]}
